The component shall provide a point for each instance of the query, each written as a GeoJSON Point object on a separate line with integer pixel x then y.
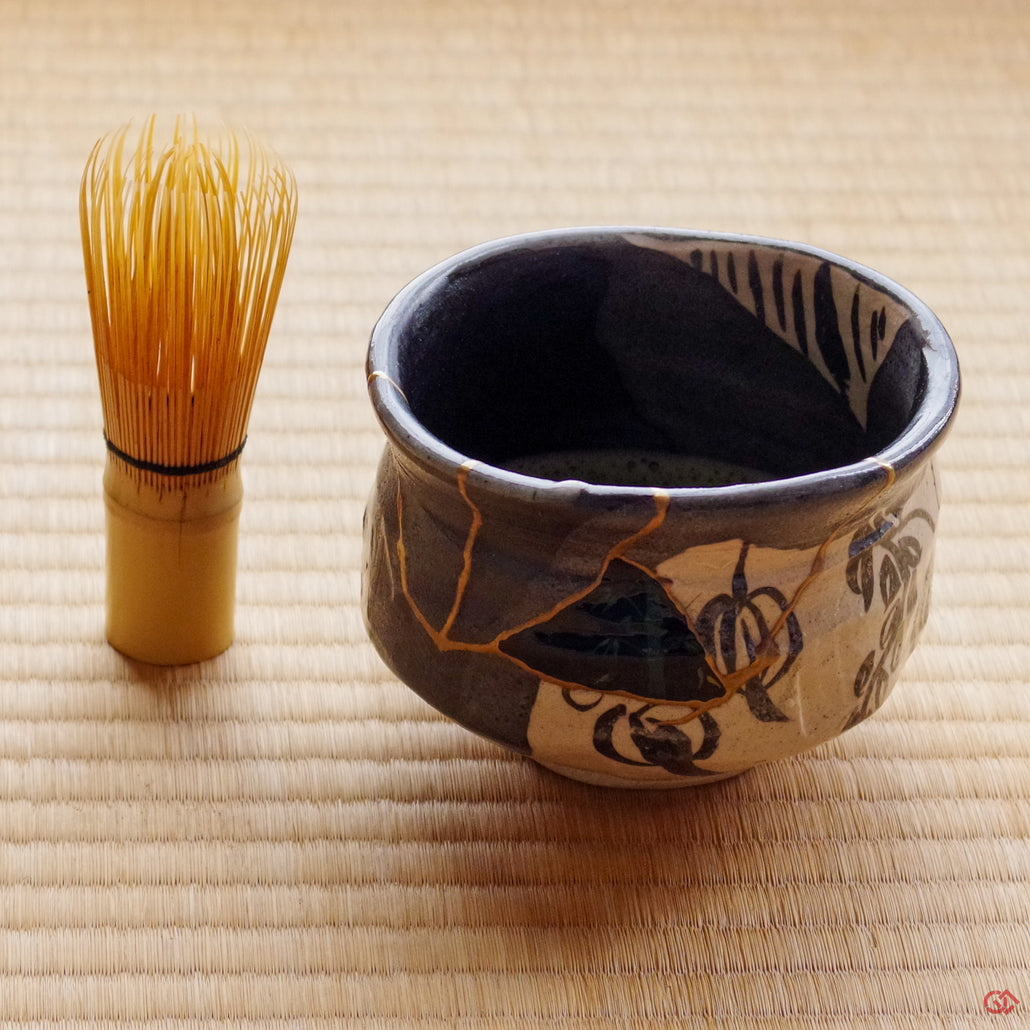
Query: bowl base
{"type": "Point", "coordinates": [597, 779]}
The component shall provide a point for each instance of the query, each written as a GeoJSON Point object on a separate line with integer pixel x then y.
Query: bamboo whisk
{"type": "Point", "coordinates": [185, 243]}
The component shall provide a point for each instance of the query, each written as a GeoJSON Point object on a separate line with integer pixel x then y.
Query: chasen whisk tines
{"type": "Point", "coordinates": [185, 241]}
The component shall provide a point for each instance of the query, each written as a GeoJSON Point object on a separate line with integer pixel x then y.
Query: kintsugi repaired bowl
{"type": "Point", "coordinates": [656, 506]}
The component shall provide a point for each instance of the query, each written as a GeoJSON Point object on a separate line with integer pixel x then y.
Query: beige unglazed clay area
{"type": "Point", "coordinates": [854, 640]}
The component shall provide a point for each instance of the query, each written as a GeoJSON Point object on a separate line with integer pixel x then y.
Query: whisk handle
{"type": "Point", "coordinates": [171, 566]}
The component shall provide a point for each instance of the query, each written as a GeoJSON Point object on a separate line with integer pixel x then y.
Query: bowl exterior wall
{"type": "Point", "coordinates": [638, 636]}
{"type": "Point", "coordinates": [645, 646]}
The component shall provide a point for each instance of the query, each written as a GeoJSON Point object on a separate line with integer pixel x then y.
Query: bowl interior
{"type": "Point", "coordinates": [652, 360]}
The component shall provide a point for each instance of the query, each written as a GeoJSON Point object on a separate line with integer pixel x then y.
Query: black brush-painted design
{"type": "Point", "coordinates": [658, 743]}
{"type": "Point", "coordinates": [806, 312]}
{"type": "Point", "coordinates": [884, 558]}
{"type": "Point", "coordinates": [827, 328]}
{"type": "Point", "coordinates": [626, 635]}
{"type": "Point", "coordinates": [752, 630]}
{"type": "Point", "coordinates": [751, 635]}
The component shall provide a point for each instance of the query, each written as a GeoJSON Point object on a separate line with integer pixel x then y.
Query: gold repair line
{"type": "Point", "coordinates": [700, 706]}
{"type": "Point", "coordinates": [439, 639]}
{"type": "Point", "coordinates": [767, 652]}
{"type": "Point", "coordinates": [662, 581]}
{"type": "Point", "coordinates": [564, 684]}
{"type": "Point", "coordinates": [889, 469]}
{"type": "Point", "coordinates": [376, 374]}
{"type": "Point", "coordinates": [470, 540]}
{"type": "Point", "coordinates": [728, 681]}
{"type": "Point", "coordinates": [442, 640]}
{"type": "Point", "coordinates": [661, 508]}
{"type": "Point", "coordinates": [402, 564]}
{"type": "Point", "coordinates": [731, 682]}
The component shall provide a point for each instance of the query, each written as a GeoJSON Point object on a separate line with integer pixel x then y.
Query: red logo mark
{"type": "Point", "coordinates": [1000, 1003]}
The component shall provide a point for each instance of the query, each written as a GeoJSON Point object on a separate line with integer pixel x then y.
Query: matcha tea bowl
{"type": "Point", "coordinates": [655, 506]}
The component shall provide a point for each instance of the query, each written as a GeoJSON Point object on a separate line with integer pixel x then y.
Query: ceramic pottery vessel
{"type": "Point", "coordinates": [655, 506]}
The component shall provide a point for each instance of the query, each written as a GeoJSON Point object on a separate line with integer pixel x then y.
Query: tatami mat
{"type": "Point", "coordinates": [286, 835]}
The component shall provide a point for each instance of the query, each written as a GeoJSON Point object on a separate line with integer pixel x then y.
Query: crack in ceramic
{"type": "Point", "coordinates": [650, 631]}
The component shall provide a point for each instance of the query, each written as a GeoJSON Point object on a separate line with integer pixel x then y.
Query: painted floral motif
{"type": "Point", "coordinates": [658, 673]}
{"type": "Point", "coordinates": [655, 741]}
{"type": "Point", "coordinates": [884, 559]}
{"type": "Point", "coordinates": [627, 635]}
{"type": "Point", "coordinates": [750, 638]}
{"type": "Point", "coordinates": [636, 637]}
{"type": "Point", "coordinates": [747, 640]}
{"type": "Point", "coordinates": [743, 627]}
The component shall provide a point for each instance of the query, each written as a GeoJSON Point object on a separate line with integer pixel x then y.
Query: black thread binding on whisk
{"type": "Point", "coordinates": [175, 470]}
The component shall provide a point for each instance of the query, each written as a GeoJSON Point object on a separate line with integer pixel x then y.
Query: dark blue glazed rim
{"type": "Point", "coordinates": [922, 433]}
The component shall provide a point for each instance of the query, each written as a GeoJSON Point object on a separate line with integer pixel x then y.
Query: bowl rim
{"type": "Point", "coordinates": [922, 434]}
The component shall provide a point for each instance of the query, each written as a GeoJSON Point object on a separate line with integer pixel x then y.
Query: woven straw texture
{"type": "Point", "coordinates": [286, 835]}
